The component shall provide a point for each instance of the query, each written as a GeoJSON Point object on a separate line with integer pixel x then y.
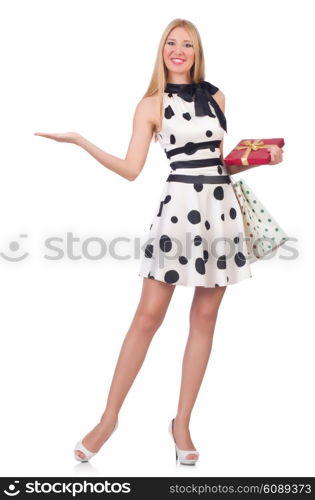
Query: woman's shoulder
{"type": "Point", "coordinates": [148, 105]}
{"type": "Point", "coordinates": [150, 108]}
{"type": "Point", "coordinates": [220, 98]}
{"type": "Point", "coordinates": [149, 102]}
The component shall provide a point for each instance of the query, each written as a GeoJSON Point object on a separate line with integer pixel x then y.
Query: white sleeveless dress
{"type": "Point", "coordinates": [196, 236]}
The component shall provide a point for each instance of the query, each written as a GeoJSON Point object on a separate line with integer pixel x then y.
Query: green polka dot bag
{"type": "Point", "coordinates": [263, 233]}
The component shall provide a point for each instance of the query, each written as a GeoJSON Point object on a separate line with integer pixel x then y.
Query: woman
{"type": "Point", "coordinates": [187, 115]}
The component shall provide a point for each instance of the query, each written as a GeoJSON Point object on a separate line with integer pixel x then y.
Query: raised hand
{"type": "Point", "coordinates": [71, 137]}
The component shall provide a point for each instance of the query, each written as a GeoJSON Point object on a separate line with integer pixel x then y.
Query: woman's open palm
{"type": "Point", "coordinates": [71, 137]}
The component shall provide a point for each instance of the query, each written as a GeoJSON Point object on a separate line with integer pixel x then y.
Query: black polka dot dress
{"type": "Point", "coordinates": [196, 236]}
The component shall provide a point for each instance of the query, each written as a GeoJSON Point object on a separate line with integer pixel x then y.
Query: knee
{"type": "Point", "coordinates": [202, 318]}
{"type": "Point", "coordinates": [147, 322]}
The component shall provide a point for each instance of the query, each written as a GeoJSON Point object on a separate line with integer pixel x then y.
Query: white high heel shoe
{"type": "Point", "coordinates": [88, 454]}
{"type": "Point", "coordinates": [181, 454]}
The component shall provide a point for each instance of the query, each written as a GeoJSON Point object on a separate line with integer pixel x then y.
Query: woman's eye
{"type": "Point", "coordinates": [186, 44]}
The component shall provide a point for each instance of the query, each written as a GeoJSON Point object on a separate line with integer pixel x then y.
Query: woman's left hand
{"type": "Point", "coordinates": [275, 153]}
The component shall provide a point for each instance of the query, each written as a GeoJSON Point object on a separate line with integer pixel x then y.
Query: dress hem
{"type": "Point", "coordinates": [194, 285]}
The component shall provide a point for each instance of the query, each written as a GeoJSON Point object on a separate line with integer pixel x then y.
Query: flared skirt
{"type": "Point", "coordinates": [196, 236]}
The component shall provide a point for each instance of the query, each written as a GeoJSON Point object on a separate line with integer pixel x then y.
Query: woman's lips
{"type": "Point", "coordinates": [177, 61]}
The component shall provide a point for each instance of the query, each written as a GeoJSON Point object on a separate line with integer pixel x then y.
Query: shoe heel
{"type": "Point", "coordinates": [181, 454]}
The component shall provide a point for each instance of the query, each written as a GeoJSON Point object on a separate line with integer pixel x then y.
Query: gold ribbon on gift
{"type": "Point", "coordinates": [251, 146]}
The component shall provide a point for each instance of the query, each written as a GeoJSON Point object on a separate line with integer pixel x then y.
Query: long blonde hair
{"type": "Point", "coordinates": [159, 76]}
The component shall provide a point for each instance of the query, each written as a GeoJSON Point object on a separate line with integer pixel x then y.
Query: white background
{"type": "Point", "coordinates": [84, 66]}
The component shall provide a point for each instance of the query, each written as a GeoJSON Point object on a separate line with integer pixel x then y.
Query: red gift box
{"type": "Point", "coordinates": [252, 152]}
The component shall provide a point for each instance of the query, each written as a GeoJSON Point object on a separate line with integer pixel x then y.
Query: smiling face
{"type": "Point", "coordinates": [179, 55]}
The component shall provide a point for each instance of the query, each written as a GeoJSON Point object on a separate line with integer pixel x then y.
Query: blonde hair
{"type": "Point", "coordinates": [159, 76]}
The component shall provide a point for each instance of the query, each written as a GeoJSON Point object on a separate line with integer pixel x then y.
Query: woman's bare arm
{"type": "Point", "coordinates": [130, 166]}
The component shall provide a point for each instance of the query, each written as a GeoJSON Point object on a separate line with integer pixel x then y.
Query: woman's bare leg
{"type": "Point", "coordinates": [149, 315]}
{"type": "Point", "coordinates": [203, 315]}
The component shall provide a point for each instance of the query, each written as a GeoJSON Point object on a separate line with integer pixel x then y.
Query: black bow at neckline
{"type": "Point", "coordinates": [201, 94]}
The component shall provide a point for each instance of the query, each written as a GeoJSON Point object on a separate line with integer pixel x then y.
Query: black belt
{"type": "Point", "coordinates": [200, 179]}
{"type": "Point", "coordinates": [191, 147]}
{"type": "Point", "coordinates": [204, 162]}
